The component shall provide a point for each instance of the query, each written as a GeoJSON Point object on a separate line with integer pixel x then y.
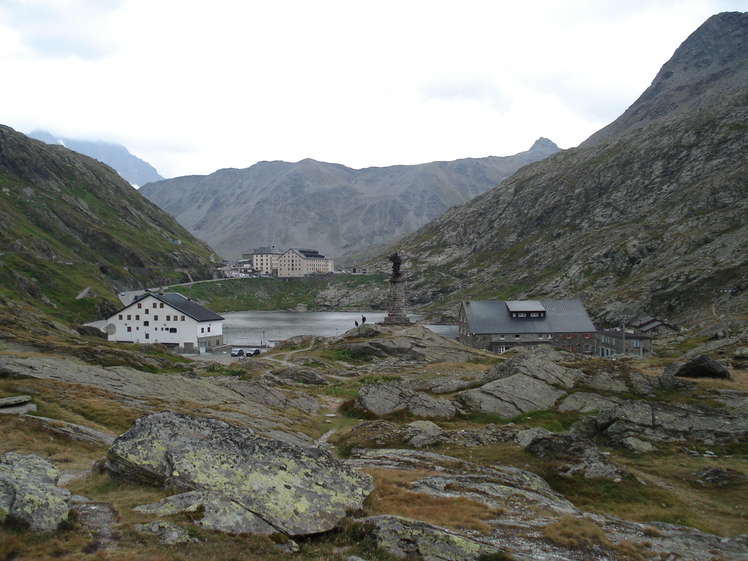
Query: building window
{"type": "Point", "coordinates": [120, 316]}
{"type": "Point", "coordinates": [534, 314]}
{"type": "Point", "coordinates": [155, 304]}
{"type": "Point", "coordinates": [182, 318]}
{"type": "Point", "coordinates": [155, 318]}
{"type": "Point", "coordinates": [147, 336]}
{"type": "Point", "coordinates": [145, 323]}
{"type": "Point", "coordinates": [501, 336]}
{"type": "Point", "coordinates": [140, 305]}
{"type": "Point", "coordinates": [209, 329]}
{"type": "Point", "coordinates": [522, 315]}
{"type": "Point", "coordinates": [129, 317]}
{"type": "Point", "coordinates": [202, 330]}
{"type": "Point", "coordinates": [160, 304]}
{"type": "Point", "coordinates": [129, 329]}
{"type": "Point", "coordinates": [173, 330]}
{"type": "Point", "coordinates": [168, 318]}
{"type": "Point", "coordinates": [517, 336]}
{"type": "Point", "coordinates": [137, 316]}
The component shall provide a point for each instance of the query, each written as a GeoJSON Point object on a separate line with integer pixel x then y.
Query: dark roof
{"type": "Point", "coordinates": [181, 304]}
{"type": "Point", "coordinates": [187, 307]}
{"type": "Point", "coordinates": [309, 253]}
{"type": "Point", "coordinates": [562, 316]}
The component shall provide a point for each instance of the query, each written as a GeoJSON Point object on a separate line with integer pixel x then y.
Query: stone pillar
{"type": "Point", "coordinates": [396, 311]}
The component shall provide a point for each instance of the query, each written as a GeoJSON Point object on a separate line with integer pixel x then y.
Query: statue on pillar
{"type": "Point", "coordinates": [396, 261]}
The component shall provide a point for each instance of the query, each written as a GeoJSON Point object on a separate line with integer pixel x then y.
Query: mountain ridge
{"type": "Point", "coordinates": [331, 207]}
{"type": "Point", "coordinates": [69, 222]}
{"type": "Point", "coordinates": [646, 217]}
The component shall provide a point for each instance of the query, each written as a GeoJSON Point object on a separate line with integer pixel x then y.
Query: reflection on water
{"type": "Point", "coordinates": [257, 328]}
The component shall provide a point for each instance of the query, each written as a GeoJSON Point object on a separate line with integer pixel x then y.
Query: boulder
{"type": "Point", "coordinates": [718, 477]}
{"type": "Point", "coordinates": [16, 405]}
{"type": "Point", "coordinates": [575, 456]}
{"type": "Point", "coordinates": [29, 492]}
{"type": "Point", "coordinates": [168, 533]}
{"type": "Point", "coordinates": [741, 353]}
{"type": "Point", "coordinates": [540, 363]}
{"type": "Point", "coordinates": [291, 489]}
{"type": "Point", "coordinates": [655, 422]}
{"type": "Point", "coordinates": [702, 366]}
{"type": "Point", "coordinates": [511, 396]}
{"type": "Point", "coordinates": [383, 398]}
{"type": "Point", "coordinates": [411, 539]}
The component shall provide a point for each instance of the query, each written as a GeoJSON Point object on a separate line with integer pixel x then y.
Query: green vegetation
{"type": "Point", "coordinates": [233, 295]}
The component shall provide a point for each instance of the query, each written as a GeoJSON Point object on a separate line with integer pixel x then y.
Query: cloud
{"type": "Point", "coordinates": [62, 28]}
{"type": "Point", "coordinates": [481, 89]}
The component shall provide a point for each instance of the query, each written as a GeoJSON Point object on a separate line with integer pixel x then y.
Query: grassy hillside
{"type": "Point", "coordinates": [339, 292]}
{"type": "Point", "coordinates": [68, 222]}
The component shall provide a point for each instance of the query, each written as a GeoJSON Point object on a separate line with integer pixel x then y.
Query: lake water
{"type": "Point", "coordinates": [255, 328]}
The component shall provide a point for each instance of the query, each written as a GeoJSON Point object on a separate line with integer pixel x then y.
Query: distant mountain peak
{"type": "Point", "coordinates": [138, 172]}
{"type": "Point", "coordinates": [543, 144]}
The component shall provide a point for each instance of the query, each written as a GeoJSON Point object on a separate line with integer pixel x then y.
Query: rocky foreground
{"type": "Point", "coordinates": [238, 450]}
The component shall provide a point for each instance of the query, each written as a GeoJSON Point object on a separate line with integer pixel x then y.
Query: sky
{"type": "Point", "coordinates": [193, 87]}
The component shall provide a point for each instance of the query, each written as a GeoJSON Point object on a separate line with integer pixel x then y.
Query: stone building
{"type": "Point", "coordinates": [614, 341]}
{"type": "Point", "coordinates": [498, 326]}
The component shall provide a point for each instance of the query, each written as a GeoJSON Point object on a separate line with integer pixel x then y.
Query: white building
{"type": "Point", "coordinates": [263, 260]}
{"type": "Point", "coordinates": [303, 262]}
{"type": "Point", "coordinates": [169, 319]}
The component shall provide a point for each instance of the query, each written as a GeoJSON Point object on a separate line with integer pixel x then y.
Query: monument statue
{"type": "Point", "coordinates": [396, 315]}
{"type": "Point", "coordinates": [396, 261]}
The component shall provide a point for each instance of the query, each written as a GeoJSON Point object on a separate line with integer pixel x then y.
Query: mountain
{"type": "Point", "coordinates": [647, 216]}
{"type": "Point", "coordinates": [329, 207]}
{"type": "Point", "coordinates": [132, 168]}
{"type": "Point", "coordinates": [70, 223]}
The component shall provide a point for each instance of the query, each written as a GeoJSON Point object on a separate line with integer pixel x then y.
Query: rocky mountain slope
{"type": "Point", "coordinates": [70, 223]}
{"type": "Point", "coordinates": [647, 216]}
{"type": "Point", "coordinates": [329, 207]}
{"type": "Point", "coordinates": [373, 445]}
{"type": "Point", "coordinates": [136, 171]}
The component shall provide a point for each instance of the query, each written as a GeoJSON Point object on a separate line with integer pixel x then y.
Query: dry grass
{"type": "Point", "coordinates": [26, 436]}
{"type": "Point", "coordinates": [392, 495]}
{"type": "Point", "coordinates": [572, 532]}
{"type": "Point", "coordinates": [82, 405]}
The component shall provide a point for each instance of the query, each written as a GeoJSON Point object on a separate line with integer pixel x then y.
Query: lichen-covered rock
{"type": "Point", "coordinates": [294, 489]}
{"type": "Point", "coordinates": [168, 533]}
{"type": "Point", "coordinates": [405, 538]}
{"type": "Point", "coordinates": [28, 491]}
{"type": "Point", "coordinates": [388, 397]}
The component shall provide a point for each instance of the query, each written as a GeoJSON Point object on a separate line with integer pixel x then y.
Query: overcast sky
{"type": "Point", "coordinates": [192, 87]}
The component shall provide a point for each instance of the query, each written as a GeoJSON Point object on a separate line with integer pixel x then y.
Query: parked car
{"type": "Point", "coordinates": [237, 352]}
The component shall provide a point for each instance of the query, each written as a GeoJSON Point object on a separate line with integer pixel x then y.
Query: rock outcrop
{"type": "Point", "coordinates": [702, 366]}
{"type": "Point", "coordinates": [271, 485]}
{"type": "Point", "coordinates": [633, 422]}
{"type": "Point", "coordinates": [29, 492]}
{"type": "Point", "coordinates": [390, 397]}
{"type": "Point", "coordinates": [527, 382]}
